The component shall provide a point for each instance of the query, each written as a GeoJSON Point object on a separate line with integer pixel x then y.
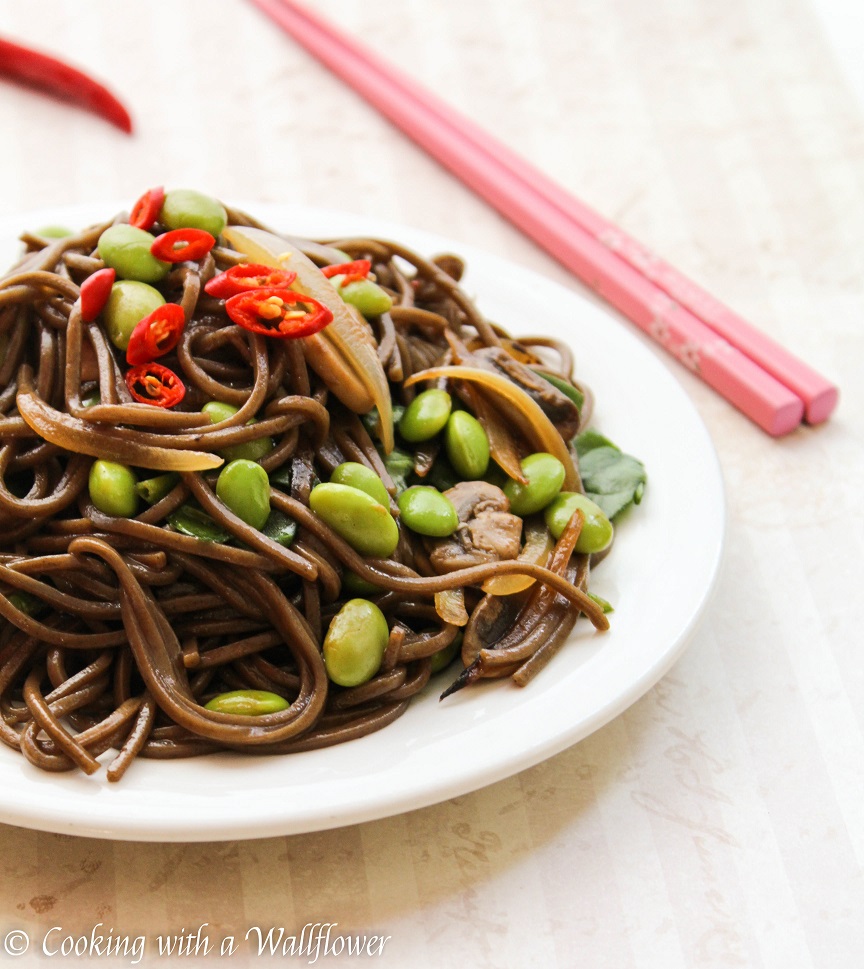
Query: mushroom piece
{"type": "Point", "coordinates": [557, 406]}
{"type": "Point", "coordinates": [487, 531]}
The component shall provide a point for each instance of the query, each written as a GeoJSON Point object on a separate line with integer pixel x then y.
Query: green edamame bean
{"type": "Point", "coordinates": [195, 522]}
{"type": "Point", "coordinates": [247, 703]}
{"type": "Point", "coordinates": [426, 415]}
{"type": "Point", "coordinates": [366, 295]}
{"type": "Point", "coordinates": [155, 489]}
{"type": "Point", "coordinates": [127, 251]}
{"type": "Point", "coordinates": [359, 476]}
{"type": "Point", "coordinates": [53, 232]}
{"type": "Point", "coordinates": [426, 511]}
{"type": "Point", "coordinates": [355, 643]}
{"type": "Point", "coordinates": [112, 489]}
{"type": "Point", "coordinates": [467, 445]}
{"type": "Point", "coordinates": [596, 531]}
{"type": "Point", "coordinates": [245, 488]}
{"type": "Point", "coordinates": [445, 656]}
{"type": "Point", "coordinates": [356, 585]}
{"type": "Point", "coordinates": [545, 474]}
{"type": "Point", "coordinates": [128, 303]}
{"type": "Point", "coordinates": [254, 450]}
{"type": "Point", "coordinates": [218, 411]}
{"type": "Point", "coordinates": [364, 523]}
{"type": "Point", "coordinates": [185, 208]}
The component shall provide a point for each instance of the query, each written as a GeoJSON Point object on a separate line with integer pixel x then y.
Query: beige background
{"type": "Point", "coordinates": [719, 822]}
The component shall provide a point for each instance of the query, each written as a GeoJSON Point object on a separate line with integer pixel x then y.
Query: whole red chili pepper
{"type": "Point", "coordinates": [245, 277]}
{"type": "Point", "coordinates": [277, 312]}
{"type": "Point", "coordinates": [53, 76]}
{"type": "Point", "coordinates": [95, 291]}
{"type": "Point", "coordinates": [352, 271]}
{"type": "Point", "coordinates": [157, 334]}
{"type": "Point", "coordinates": [151, 383]}
{"type": "Point", "coordinates": [182, 245]}
{"type": "Point", "coordinates": [146, 210]}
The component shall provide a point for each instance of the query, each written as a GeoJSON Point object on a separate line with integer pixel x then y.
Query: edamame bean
{"type": "Point", "coordinates": [126, 250]}
{"type": "Point", "coordinates": [596, 531]}
{"type": "Point", "coordinates": [359, 476]}
{"type": "Point", "coordinates": [545, 474]}
{"type": "Point", "coordinates": [364, 523]}
{"type": "Point", "coordinates": [185, 208]}
{"type": "Point", "coordinates": [445, 656]}
{"type": "Point", "coordinates": [112, 489]}
{"type": "Point", "coordinates": [426, 511]}
{"type": "Point", "coordinates": [356, 585]}
{"type": "Point", "coordinates": [254, 450]}
{"type": "Point", "coordinates": [426, 415]}
{"type": "Point", "coordinates": [128, 303]}
{"type": "Point", "coordinates": [155, 489]}
{"type": "Point", "coordinates": [53, 232]}
{"type": "Point", "coordinates": [245, 488]}
{"type": "Point", "coordinates": [467, 445]}
{"type": "Point", "coordinates": [355, 643]}
{"type": "Point", "coordinates": [247, 703]}
{"type": "Point", "coordinates": [366, 295]}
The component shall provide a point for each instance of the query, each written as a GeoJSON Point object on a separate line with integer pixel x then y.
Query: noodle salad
{"type": "Point", "coordinates": [257, 490]}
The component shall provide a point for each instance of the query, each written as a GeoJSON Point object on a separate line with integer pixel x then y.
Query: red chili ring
{"type": "Point", "coordinates": [358, 268]}
{"type": "Point", "coordinates": [245, 277]}
{"type": "Point", "coordinates": [157, 334]}
{"type": "Point", "coordinates": [146, 210]}
{"type": "Point", "coordinates": [267, 311]}
{"type": "Point", "coordinates": [151, 383]}
{"type": "Point", "coordinates": [95, 291]}
{"type": "Point", "coordinates": [182, 245]}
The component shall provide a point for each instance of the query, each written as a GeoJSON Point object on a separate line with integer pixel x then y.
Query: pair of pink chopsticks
{"type": "Point", "coordinates": [762, 379]}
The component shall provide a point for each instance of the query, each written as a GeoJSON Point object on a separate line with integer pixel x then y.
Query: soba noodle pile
{"type": "Point", "coordinates": [117, 631]}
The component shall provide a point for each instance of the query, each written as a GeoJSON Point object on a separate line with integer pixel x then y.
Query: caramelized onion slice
{"type": "Point", "coordinates": [450, 606]}
{"type": "Point", "coordinates": [82, 437]}
{"type": "Point", "coordinates": [537, 549]}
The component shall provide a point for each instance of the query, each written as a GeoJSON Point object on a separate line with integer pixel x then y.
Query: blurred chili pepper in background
{"type": "Point", "coordinates": [60, 80]}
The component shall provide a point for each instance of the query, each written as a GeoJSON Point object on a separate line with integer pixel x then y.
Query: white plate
{"type": "Point", "coordinates": [659, 577]}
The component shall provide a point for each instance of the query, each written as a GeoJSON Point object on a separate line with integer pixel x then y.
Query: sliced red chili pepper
{"type": "Point", "coordinates": [278, 312]}
{"type": "Point", "coordinates": [151, 383]}
{"type": "Point", "coordinates": [157, 334]}
{"type": "Point", "coordinates": [358, 269]}
{"type": "Point", "coordinates": [181, 245]}
{"type": "Point", "coordinates": [95, 291]}
{"type": "Point", "coordinates": [245, 277]}
{"type": "Point", "coordinates": [146, 210]}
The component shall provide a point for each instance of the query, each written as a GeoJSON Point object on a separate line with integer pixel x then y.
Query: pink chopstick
{"type": "Point", "coordinates": [549, 217]}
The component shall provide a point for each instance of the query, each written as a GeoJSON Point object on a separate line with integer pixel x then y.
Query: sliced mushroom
{"type": "Point", "coordinates": [487, 531]}
{"type": "Point", "coordinates": [558, 407]}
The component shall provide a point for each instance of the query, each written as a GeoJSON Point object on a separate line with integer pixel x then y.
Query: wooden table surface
{"type": "Point", "coordinates": [719, 822]}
